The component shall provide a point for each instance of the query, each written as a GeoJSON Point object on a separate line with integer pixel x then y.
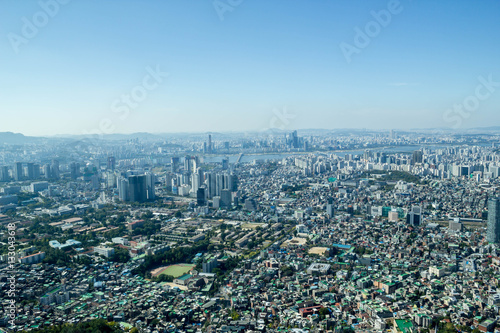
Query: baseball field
{"type": "Point", "coordinates": [174, 270]}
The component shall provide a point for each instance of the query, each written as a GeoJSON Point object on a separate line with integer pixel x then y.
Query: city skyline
{"type": "Point", "coordinates": [309, 220]}
{"type": "Point", "coordinates": [12, 137]}
{"type": "Point", "coordinates": [246, 66]}
{"type": "Point", "coordinates": [249, 166]}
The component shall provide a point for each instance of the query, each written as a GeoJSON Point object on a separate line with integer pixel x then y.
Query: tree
{"type": "Point", "coordinates": [234, 314]}
{"type": "Point", "coordinates": [147, 215]}
{"type": "Point", "coordinates": [164, 278]}
{"type": "Point", "coordinates": [286, 270]}
{"type": "Point", "coordinates": [121, 255]}
{"type": "Point", "coordinates": [323, 312]}
{"type": "Point", "coordinates": [56, 256]}
{"type": "Point", "coordinates": [96, 325]}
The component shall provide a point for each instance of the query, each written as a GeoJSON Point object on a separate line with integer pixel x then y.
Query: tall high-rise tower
{"type": "Point", "coordinates": [225, 163]}
{"type": "Point", "coordinates": [201, 197]}
{"type": "Point", "coordinates": [150, 186]}
{"type": "Point", "coordinates": [417, 157]}
{"type": "Point", "coordinates": [123, 189]}
{"type": "Point", "coordinates": [18, 171]}
{"type": "Point", "coordinates": [111, 163]}
{"type": "Point", "coordinates": [4, 173]}
{"type": "Point", "coordinates": [330, 211]}
{"type": "Point", "coordinates": [188, 164]}
{"type": "Point", "coordinates": [30, 170]}
{"type": "Point", "coordinates": [47, 171]}
{"type": "Point", "coordinates": [174, 164]}
{"type": "Point", "coordinates": [295, 140]}
{"type": "Point", "coordinates": [211, 185]}
{"type": "Point", "coordinates": [137, 188]}
{"type": "Point", "coordinates": [54, 168]}
{"type": "Point", "coordinates": [493, 234]}
{"type": "Point", "coordinates": [74, 170]}
{"type": "Point", "coordinates": [210, 143]}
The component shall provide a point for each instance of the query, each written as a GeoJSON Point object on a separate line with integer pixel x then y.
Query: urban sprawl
{"type": "Point", "coordinates": [308, 231]}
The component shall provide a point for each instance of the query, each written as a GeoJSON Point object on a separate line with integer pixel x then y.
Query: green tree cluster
{"type": "Point", "coordinates": [173, 256]}
{"type": "Point", "coordinates": [121, 255]}
{"type": "Point", "coordinates": [92, 326]}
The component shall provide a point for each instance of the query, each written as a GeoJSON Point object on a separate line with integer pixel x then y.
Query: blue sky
{"type": "Point", "coordinates": [71, 73]}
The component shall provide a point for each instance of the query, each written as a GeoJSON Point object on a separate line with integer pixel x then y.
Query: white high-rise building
{"type": "Point", "coordinates": [123, 189]}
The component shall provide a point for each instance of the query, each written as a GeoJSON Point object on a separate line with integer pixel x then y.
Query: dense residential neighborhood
{"type": "Point", "coordinates": [313, 233]}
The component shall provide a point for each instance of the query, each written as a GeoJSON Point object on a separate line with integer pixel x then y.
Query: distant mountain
{"type": "Point", "coordinates": [19, 139]}
{"type": "Point", "coordinates": [456, 131]}
{"type": "Point", "coordinates": [487, 129]}
{"type": "Point", "coordinates": [116, 136]}
{"type": "Point", "coordinates": [16, 138]}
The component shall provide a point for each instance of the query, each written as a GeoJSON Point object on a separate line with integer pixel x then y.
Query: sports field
{"type": "Point", "coordinates": [174, 270]}
{"type": "Point", "coordinates": [318, 250]}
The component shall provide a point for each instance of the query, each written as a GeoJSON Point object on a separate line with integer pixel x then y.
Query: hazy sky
{"type": "Point", "coordinates": [99, 66]}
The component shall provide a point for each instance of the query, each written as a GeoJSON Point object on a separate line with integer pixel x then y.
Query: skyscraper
{"type": "Point", "coordinates": [418, 157]}
{"type": "Point", "coordinates": [225, 163]}
{"type": "Point", "coordinates": [196, 181]}
{"type": "Point", "coordinates": [123, 189]}
{"type": "Point", "coordinates": [110, 180]}
{"type": "Point", "coordinates": [414, 217]}
{"type": "Point", "coordinates": [168, 181]}
{"type": "Point", "coordinates": [228, 182]}
{"type": "Point", "coordinates": [330, 211]}
{"type": "Point", "coordinates": [74, 170]}
{"type": "Point", "coordinates": [200, 197]}
{"type": "Point", "coordinates": [95, 182]}
{"type": "Point", "coordinates": [219, 184]}
{"type": "Point", "coordinates": [150, 185]}
{"type": "Point", "coordinates": [137, 188]}
{"type": "Point", "coordinates": [54, 168]}
{"type": "Point", "coordinates": [233, 183]}
{"type": "Point", "coordinates": [295, 139]}
{"type": "Point", "coordinates": [188, 164]}
{"type": "Point", "coordinates": [493, 234]}
{"type": "Point", "coordinates": [195, 164]}
{"type": "Point", "coordinates": [210, 143]}
{"type": "Point", "coordinates": [174, 164]}
{"type": "Point", "coordinates": [111, 163]}
{"type": "Point", "coordinates": [225, 198]}
{"type": "Point", "coordinates": [18, 171]}
{"type": "Point", "coordinates": [36, 171]}
{"type": "Point", "coordinates": [47, 171]}
{"type": "Point", "coordinates": [211, 184]}
{"type": "Point", "coordinates": [30, 171]}
{"type": "Point", "coordinates": [4, 173]}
